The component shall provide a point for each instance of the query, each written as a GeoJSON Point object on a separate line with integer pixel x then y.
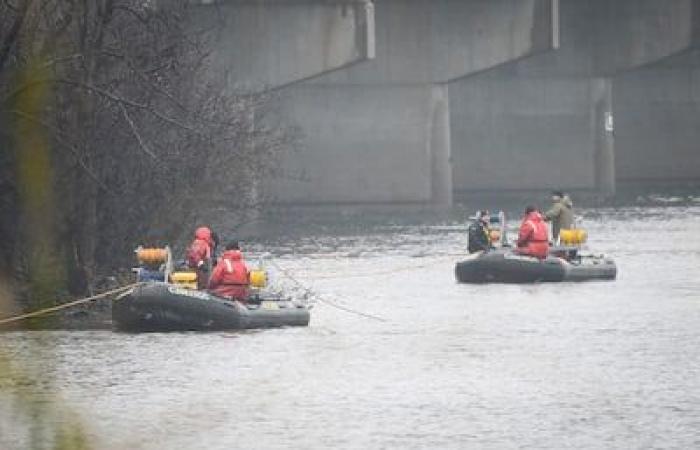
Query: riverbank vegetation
{"type": "Point", "coordinates": [113, 132]}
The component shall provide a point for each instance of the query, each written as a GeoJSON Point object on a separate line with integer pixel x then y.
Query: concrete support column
{"type": "Point", "coordinates": [603, 125]}
{"type": "Point", "coordinates": [439, 147]}
{"type": "Point", "coordinates": [657, 112]}
{"type": "Point", "coordinates": [368, 144]}
{"type": "Point", "coordinates": [532, 133]}
{"type": "Point", "coordinates": [379, 131]}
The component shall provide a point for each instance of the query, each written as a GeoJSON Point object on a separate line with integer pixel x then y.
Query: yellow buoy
{"type": "Point", "coordinates": [258, 278]}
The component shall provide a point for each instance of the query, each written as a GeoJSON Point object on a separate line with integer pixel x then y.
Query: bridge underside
{"type": "Point", "coordinates": [577, 118]}
{"type": "Point", "coordinates": [272, 43]}
{"type": "Point", "coordinates": [379, 131]}
{"type": "Point", "coordinates": [412, 100]}
{"type": "Point", "coordinates": [657, 112]}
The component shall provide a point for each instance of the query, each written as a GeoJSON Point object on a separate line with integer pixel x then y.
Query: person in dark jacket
{"type": "Point", "coordinates": [479, 237]}
{"type": "Point", "coordinates": [561, 214]}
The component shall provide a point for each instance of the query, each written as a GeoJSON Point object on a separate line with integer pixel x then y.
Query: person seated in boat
{"type": "Point", "coordinates": [479, 233]}
{"type": "Point", "coordinates": [230, 278]}
{"type": "Point", "coordinates": [533, 238]}
{"type": "Point", "coordinates": [200, 253]}
{"type": "Point", "coordinates": [561, 214]}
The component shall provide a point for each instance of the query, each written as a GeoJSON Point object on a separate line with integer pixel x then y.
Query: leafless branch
{"type": "Point", "coordinates": [136, 133]}
{"type": "Point", "coordinates": [125, 101]}
{"type": "Point", "coordinates": [12, 36]}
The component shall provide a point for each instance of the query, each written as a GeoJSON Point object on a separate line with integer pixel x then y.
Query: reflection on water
{"type": "Point", "coordinates": [593, 365]}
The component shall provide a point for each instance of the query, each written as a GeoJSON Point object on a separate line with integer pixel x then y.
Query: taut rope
{"type": "Point", "coordinates": [322, 300]}
{"type": "Point", "coordinates": [81, 301]}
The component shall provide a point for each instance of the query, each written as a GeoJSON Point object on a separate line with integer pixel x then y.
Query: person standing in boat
{"type": "Point", "coordinates": [479, 234]}
{"type": "Point", "coordinates": [561, 214]}
{"type": "Point", "coordinates": [199, 254]}
{"type": "Point", "coordinates": [533, 238]}
{"type": "Point", "coordinates": [230, 278]}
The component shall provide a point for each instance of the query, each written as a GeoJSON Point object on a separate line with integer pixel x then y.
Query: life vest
{"type": "Point", "coordinates": [230, 278]}
{"type": "Point", "coordinates": [201, 247]}
{"type": "Point", "coordinates": [533, 238]}
{"type": "Point", "coordinates": [198, 251]}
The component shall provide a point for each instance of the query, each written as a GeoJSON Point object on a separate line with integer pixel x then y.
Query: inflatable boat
{"type": "Point", "coordinates": [505, 266]}
{"type": "Point", "coordinates": [157, 307]}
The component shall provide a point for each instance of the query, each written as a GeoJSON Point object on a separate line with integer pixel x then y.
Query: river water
{"type": "Point", "coordinates": [590, 365]}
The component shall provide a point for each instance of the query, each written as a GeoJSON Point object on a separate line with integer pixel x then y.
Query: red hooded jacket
{"type": "Point", "coordinates": [199, 251]}
{"type": "Point", "coordinates": [230, 277]}
{"type": "Point", "coordinates": [533, 238]}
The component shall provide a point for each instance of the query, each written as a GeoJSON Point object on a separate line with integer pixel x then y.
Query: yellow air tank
{"type": "Point", "coordinates": [573, 237]}
{"type": "Point", "coordinates": [151, 256]}
{"type": "Point", "coordinates": [495, 236]}
{"type": "Point", "coordinates": [184, 279]}
{"type": "Point", "coordinates": [258, 278]}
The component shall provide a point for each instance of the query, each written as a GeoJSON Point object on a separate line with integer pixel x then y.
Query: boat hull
{"type": "Point", "coordinates": [504, 266]}
{"type": "Point", "coordinates": [162, 307]}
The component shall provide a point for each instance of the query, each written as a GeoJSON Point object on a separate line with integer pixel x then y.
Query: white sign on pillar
{"type": "Point", "coordinates": [609, 122]}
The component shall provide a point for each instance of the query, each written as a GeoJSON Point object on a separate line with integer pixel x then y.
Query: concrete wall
{"type": "Point", "coordinates": [604, 37]}
{"type": "Point", "coordinates": [274, 43]}
{"type": "Point", "coordinates": [422, 41]}
{"type": "Point", "coordinates": [521, 133]}
{"type": "Point", "coordinates": [657, 121]}
{"type": "Point", "coordinates": [379, 131]}
{"type": "Point", "coordinates": [353, 152]}
{"type": "Point", "coordinates": [544, 122]}
{"type": "Point", "coordinates": [430, 110]}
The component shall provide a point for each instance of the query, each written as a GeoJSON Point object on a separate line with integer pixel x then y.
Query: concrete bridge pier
{"type": "Point", "coordinates": [440, 147]}
{"type": "Point", "coordinates": [603, 121]}
{"type": "Point", "coordinates": [550, 120]}
{"type": "Point", "coordinates": [527, 134]}
{"type": "Point", "coordinates": [379, 131]}
{"type": "Point", "coordinates": [657, 118]}
{"type": "Point", "coordinates": [368, 144]}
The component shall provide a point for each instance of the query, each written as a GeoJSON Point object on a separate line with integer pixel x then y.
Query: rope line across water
{"type": "Point", "coordinates": [337, 275]}
{"type": "Point", "coordinates": [81, 301]}
{"type": "Point", "coordinates": [322, 300]}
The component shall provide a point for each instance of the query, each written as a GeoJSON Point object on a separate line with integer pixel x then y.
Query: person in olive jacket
{"type": "Point", "coordinates": [479, 239]}
{"type": "Point", "coordinates": [561, 214]}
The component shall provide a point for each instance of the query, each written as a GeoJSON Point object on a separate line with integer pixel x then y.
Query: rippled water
{"type": "Point", "coordinates": [592, 365]}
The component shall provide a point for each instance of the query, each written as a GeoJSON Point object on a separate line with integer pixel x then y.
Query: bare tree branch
{"type": "Point", "coordinates": [121, 100]}
{"type": "Point", "coordinates": [12, 36]}
{"type": "Point", "coordinates": [136, 133]}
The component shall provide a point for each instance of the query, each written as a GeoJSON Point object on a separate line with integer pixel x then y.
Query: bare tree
{"type": "Point", "coordinates": [140, 136]}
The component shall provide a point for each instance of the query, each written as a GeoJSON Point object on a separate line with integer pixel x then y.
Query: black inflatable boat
{"type": "Point", "coordinates": [505, 266]}
{"type": "Point", "coordinates": [155, 307]}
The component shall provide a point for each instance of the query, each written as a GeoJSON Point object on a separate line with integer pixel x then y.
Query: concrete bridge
{"type": "Point", "coordinates": [417, 100]}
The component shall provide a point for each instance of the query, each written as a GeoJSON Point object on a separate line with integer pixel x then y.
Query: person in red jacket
{"type": "Point", "coordinates": [199, 254]}
{"type": "Point", "coordinates": [230, 277]}
{"type": "Point", "coordinates": [533, 238]}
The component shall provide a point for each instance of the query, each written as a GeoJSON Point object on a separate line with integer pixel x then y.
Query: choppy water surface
{"type": "Point", "coordinates": [594, 365]}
